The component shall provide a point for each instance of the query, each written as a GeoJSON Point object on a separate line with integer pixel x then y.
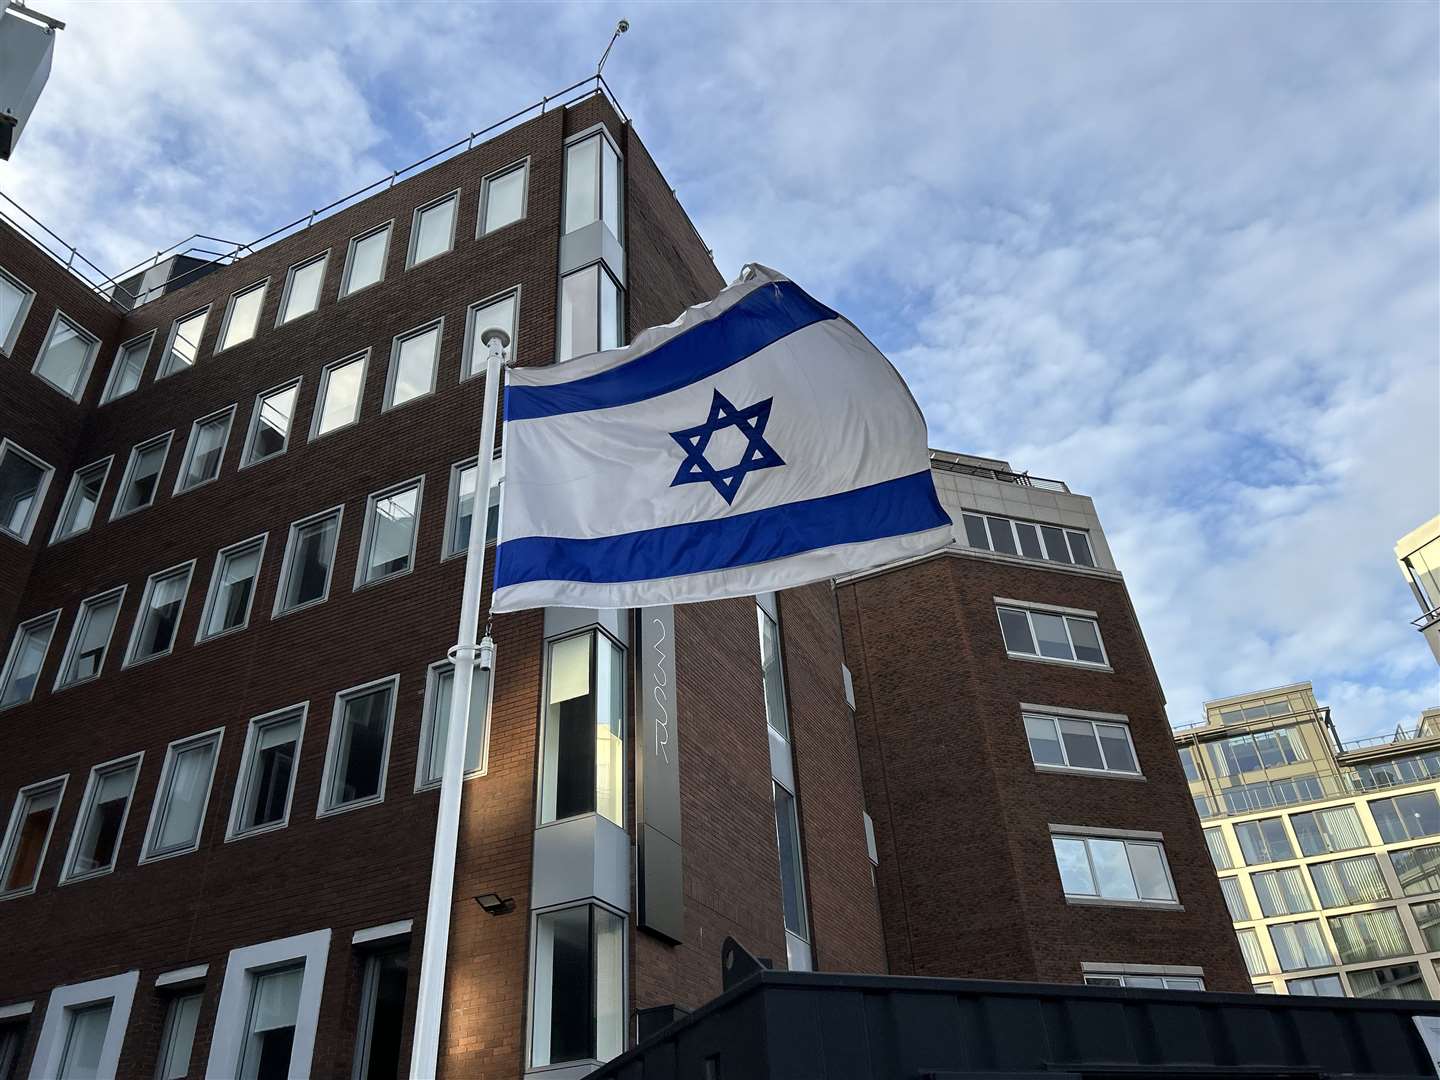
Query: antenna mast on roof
{"type": "Point", "coordinates": [620, 28]}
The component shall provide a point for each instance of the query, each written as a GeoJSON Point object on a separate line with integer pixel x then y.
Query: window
{"type": "Point", "coordinates": [27, 837]}
{"type": "Point", "coordinates": [1145, 982]}
{"type": "Point", "coordinates": [84, 1027]}
{"type": "Point", "coordinates": [432, 230]}
{"type": "Point", "coordinates": [242, 317]}
{"type": "Point", "coordinates": [1323, 831]}
{"type": "Point", "coordinates": [1187, 763]}
{"type": "Point", "coordinates": [270, 1030]}
{"type": "Point", "coordinates": [387, 547]}
{"type": "Point", "coordinates": [1235, 899]}
{"type": "Point", "coordinates": [1219, 850]}
{"type": "Point", "coordinates": [1316, 986]}
{"type": "Point", "coordinates": [1427, 918]}
{"type": "Point", "coordinates": [497, 312]}
{"type": "Point", "coordinates": [302, 288]}
{"type": "Point", "coordinates": [1369, 935]}
{"type": "Point", "coordinates": [1070, 638]}
{"type": "Point", "coordinates": [1407, 817]}
{"type": "Point", "coordinates": [359, 746]}
{"type": "Point", "coordinates": [205, 450]}
{"type": "Point", "coordinates": [1113, 869]}
{"type": "Point", "coordinates": [792, 870]}
{"type": "Point", "coordinates": [1246, 713]}
{"type": "Point", "coordinates": [270, 423]}
{"type": "Point", "coordinates": [177, 1039]}
{"type": "Point", "coordinates": [1300, 945]}
{"type": "Point", "coordinates": [90, 638]}
{"type": "Point", "coordinates": [578, 1013]}
{"type": "Point", "coordinates": [1418, 869]}
{"type": "Point", "coordinates": [1257, 750]}
{"type": "Point", "coordinates": [184, 344]}
{"type": "Point", "coordinates": [67, 356]}
{"type": "Point", "coordinates": [128, 367]}
{"type": "Point", "coordinates": [232, 588]}
{"type": "Point", "coordinates": [12, 1036]}
{"type": "Point", "coordinates": [382, 1014]}
{"type": "Point", "coordinates": [461, 505]}
{"type": "Point", "coordinates": [413, 357]}
{"type": "Point", "coordinates": [1250, 949]}
{"type": "Point", "coordinates": [1033, 541]}
{"type": "Point", "coordinates": [772, 673]}
{"type": "Point", "coordinates": [1262, 988]}
{"type": "Point", "coordinates": [1263, 841]}
{"type": "Point", "coordinates": [1281, 892]}
{"type": "Point", "coordinates": [77, 513]}
{"type": "Point", "coordinates": [27, 655]}
{"type": "Point", "coordinates": [182, 796]}
{"type": "Point", "coordinates": [365, 261]}
{"type": "Point", "coordinates": [342, 387]}
{"type": "Point", "coordinates": [101, 821]}
{"type": "Point", "coordinates": [267, 772]}
{"type": "Point", "coordinates": [436, 728]}
{"type": "Point", "coordinates": [583, 766]}
{"type": "Point", "coordinates": [1349, 881]}
{"type": "Point", "coordinates": [15, 300]}
{"type": "Point", "coordinates": [592, 183]}
{"type": "Point", "coordinates": [590, 317]}
{"type": "Point", "coordinates": [502, 198]}
{"type": "Point", "coordinates": [24, 479]}
{"type": "Point", "coordinates": [269, 1004]}
{"type": "Point", "coordinates": [142, 476]}
{"type": "Point", "coordinates": [1403, 981]}
{"type": "Point", "coordinates": [1072, 743]}
{"type": "Point", "coordinates": [309, 560]}
{"type": "Point", "coordinates": [158, 619]}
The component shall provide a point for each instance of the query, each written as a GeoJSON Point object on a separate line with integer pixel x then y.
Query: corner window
{"type": "Point", "coordinates": [183, 345]}
{"type": "Point", "coordinates": [84, 1026]}
{"type": "Point", "coordinates": [267, 772]}
{"type": "Point", "coordinates": [460, 509]}
{"type": "Point", "coordinates": [1073, 743]}
{"type": "Point", "coordinates": [1300, 945]}
{"type": "Point", "coordinates": [1113, 869]}
{"type": "Point", "coordinates": [1073, 639]}
{"type": "Point", "coordinates": [1369, 935]}
{"type": "Point", "coordinates": [158, 620]}
{"type": "Point", "coordinates": [15, 301]}
{"type": "Point", "coordinates": [1349, 881]}
{"type": "Point", "coordinates": [90, 638]}
{"type": "Point", "coordinates": [177, 1038]}
{"type": "Point", "coordinates": [502, 197]}
{"type": "Point", "coordinates": [205, 450]}
{"type": "Point", "coordinates": [772, 674]}
{"type": "Point", "coordinates": [590, 319]}
{"type": "Point", "coordinates": [495, 313]}
{"type": "Point", "coordinates": [342, 388]}
{"type": "Point", "coordinates": [583, 753]}
{"type": "Point", "coordinates": [242, 316]}
{"type": "Point", "coordinates": [24, 479]}
{"type": "Point", "coordinates": [432, 229]}
{"type": "Point", "coordinates": [127, 367]}
{"type": "Point", "coordinates": [365, 260]}
{"type": "Point", "coordinates": [1323, 831]}
{"type": "Point", "coordinates": [232, 588]}
{"type": "Point", "coordinates": [578, 1009]}
{"type": "Point", "coordinates": [1029, 539]}
{"type": "Point", "coordinates": [435, 730]}
{"type": "Point", "coordinates": [27, 837]}
{"type": "Point", "coordinates": [1418, 869]}
{"type": "Point", "coordinates": [387, 547]}
{"type": "Point", "coordinates": [27, 656]}
{"type": "Point", "coordinates": [101, 821]}
{"type": "Point", "coordinates": [359, 746]}
{"type": "Point", "coordinates": [77, 513]}
{"type": "Point", "coordinates": [141, 481]}
{"type": "Point", "coordinates": [1263, 841]}
{"type": "Point", "coordinates": [270, 423]}
{"type": "Point", "coordinates": [1317, 986]}
{"type": "Point", "coordinates": [1281, 892]}
{"type": "Point", "coordinates": [382, 1013]}
{"type": "Point", "coordinates": [302, 288]}
{"type": "Point", "coordinates": [67, 356]}
{"type": "Point", "coordinates": [1407, 817]}
{"type": "Point", "coordinates": [269, 1006]}
{"type": "Point", "coordinates": [309, 560]}
{"type": "Point", "coordinates": [413, 359]}
{"type": "Point", "coordinates": [592, 183]}
{"type": "Point", "coordinates": [182, 796]}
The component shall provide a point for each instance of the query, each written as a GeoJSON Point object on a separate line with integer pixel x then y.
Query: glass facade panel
{"type": "Point", "coordinates": [243, 317]}
{"type": "Point", "coordinates": [504, 199]}
{"type": "Point", "coordinates": [1418, 869]}
{"type": "Point", "coordinates": [1323, 831]}
{"type": "Point", "coordinates": [65, 361]}
{"type": "Point", "coordinates": [367, 260]}
{"type": "Point", "coordinates": [303, 295]}
{"type": "Point", "coordinates": [583, 759]}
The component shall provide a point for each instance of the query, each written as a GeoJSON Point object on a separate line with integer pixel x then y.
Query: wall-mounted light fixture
{"type": "Point", "coordinates": [492, 904]}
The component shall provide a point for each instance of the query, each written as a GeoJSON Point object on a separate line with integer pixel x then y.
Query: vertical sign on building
{"type": "Point", "coordinates": [657, 778]}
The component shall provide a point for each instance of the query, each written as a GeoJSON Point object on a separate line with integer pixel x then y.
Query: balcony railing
{"type": "Point", "coordinates": [1429, 619]}
{"type": "Point", "coordinates": [948, 463]}
{"type": "Point", "coordinates": [1298, 791]}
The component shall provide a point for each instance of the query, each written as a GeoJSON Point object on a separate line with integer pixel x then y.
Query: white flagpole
{"type": "Point", "coordinates": [425, 1053]}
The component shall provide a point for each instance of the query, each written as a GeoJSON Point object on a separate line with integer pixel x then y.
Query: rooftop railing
{"type": "Point", "coordinates": [1311, 788]}
{"type": "Point", "coordinates": [949, 463]}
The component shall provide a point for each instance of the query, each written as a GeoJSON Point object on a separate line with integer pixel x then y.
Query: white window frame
{"type": "Point", "coordinates": [1164, 972]}
{"type": "Point", "coordinates": [367, 532]}
{"type": "Point", "coordinates": [324, 259]}
{"type": "Point", "coordinates": [227, 1040]}
{"type": "Point", "coordinates": [427, 727]}
{"type": "Point", "coordinates": [363, 358]}
{"type": "Point", "coordinates": [1030, 608]}
{"type": "Point", "coordinates": [71, 493]}
{"type": "Point", "coordinates": [109, 394]}
{"type": "Point", "coordinates": [448, 547]}
{"type": "Point", "coordinates": [21, 629]}
{"type": "Point", "coordinates": [211, 592]}
{"type": "Point", "coordinates": [7, 343]}
{"type": "Point", "coordinates": [325, 808]}
{"type": "Point", "coordinates": [370, 956]}
{"type": "Point", "coordinates": [1127, 837]}
{"type": "Point", "coordinates": [1081, 716]}
{"type": "Point", "coordinates": [215, 737]}
{"type": "Point", "coordinates": [228, 414]}
{"type": "Point", "coordinates": [86, 370]}
{"type": "Point", "coordinates": [118, 593]}
{"type": "Point", "coordinates": [286, 563]}
{"type": "Point", "coordinates": [119, 990]}
{"type": "Point", "coordinates": [388, 227]}
{"type": "Point", "coordinates": [533, 989]}
{"type": "Point", "coordinates": [602, 130]}
{"type": "Point", "coordinates": [470, 343]}
{"type": "Point", "coordinates": [437, 324]}
{"type": "Point", "coordinates": [435, 203]}
{"type": "Point", "coordinates": [262, 286]}
{"type": "Point", "coordinates": [499, 174]}
{"type": "Point", "coordinates": [9, 446]}
{"type": "Point", "coordinates": [254, 427]}
{"type": "Point", "coordinates": [165, 370]}
{"type": "Point", "coordinates": [173, 998]}
{"type": "Point", "coordinates": [233, 828]}
{"type": "Point", "coordinates": [67, 870]}
{"type": "Point", "coordinates": [166, 438]}
{"type": "Point", "coordinates": [188, 569]}
{"type": "Point", "coordinates": [12, 831]}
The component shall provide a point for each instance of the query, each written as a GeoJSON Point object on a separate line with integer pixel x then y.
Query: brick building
{"type": "Point", "coordinates": [233, 511]}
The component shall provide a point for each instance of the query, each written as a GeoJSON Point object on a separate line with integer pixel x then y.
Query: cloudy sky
{"type": "Point", "coordinates": [1184, 257]}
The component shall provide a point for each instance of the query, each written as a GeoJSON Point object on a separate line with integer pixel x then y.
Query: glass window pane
{"type": "Point", "coordinates": [569, 777]}
{"type": "Point", "coordinates": [609, 730]}
{"type": "Point", "coordinates": [128, 367]}
{"type": "Point", "coordinates": [1403, 982]}
{"type": "Point", "coordinates": [383, 1010]}
{"type": "Point", "coordinates": [475, 738]}
{"type": "Point", "coordinates": [609, 186]}
{"type": "Point", "coordinates": [340, 397]}
{"type": "Point", "coordinates": [207, 446]}
{"type": "Point", "coordinates": [179, 1037]}
{"type": "Point", "coordinates": [582, 174]}
{"type": "Point", "coordinates": [359, 751]}
{"type": "Point", "coordinates": [1369, 935]}
{"type": "Point", "coordinates": [1081, 748]}
{"type": "Point", "coordinates": [392, 534]}
{"type": "Point", "coordinates": [144, 475]}
{"type": "Point", "coordinates": [497, 314]}
{"type": "Point", "coordinates": [1234, 899]}
{"type": "Point", "coordinates": [185, 342]}
{"type": "Point", "coordinates": [234, 589]}
{"type": "Point", "coordinates": [94, 627]}
{"type": "Point", "coordinates": [13, 300]}
{"type": "Point", "coordinates": [1112, 869]}
{"type": "Point", "coordinates": [271, 770]}
{"type": "Point", "coordinates": [244, 317]}
{"type": "Point", "coordinates": [270, 432]}
{"type": "Point", "coordinates": [182, 805]}
{"type": "Point", "coordinates": [1254, 956]}
{"type": "Point", "coordinates": [1086, 639]}
{"type": "Point", "coordinates": [1148, 865]}
{"type": "Point", "coordinates": [563, 986]}
{"type": "Point", "coordinates": [975, 534]}
{"type": "Point", "coordinates": [160, 617]}
{"type": "Point", "coordinates": [304, 294]}
{"type": "Point", "coordinates": [1044, 742]}
{"type": "Point", "coordinates": [26, 852]}
{"type": "Point", "coordinates": [1029, 540]}
{"type": "Point", "coordinates": [312, 556]}
{"type": "Point", "coordinates": [1001, 537]}
{"type": "Point", "coordinates": [609, 313]}
{"type": "Point", "coordinates": [1050, 635]}
{"type": "Point", "coordinates": [27, 655]}
{"type": "Point", "coordinates": [792, 874]}
{"type": "Point", "coordinates": [270, 1029]}
{"type": "Point", "coordinates": [434, 231]}
{"type": "Point", "coordinates": [1219, 853]}
{"type": "Point", "coordinates": [100, 830]}
{"type": "Point", "coordinates": [414, 366]}
{"type": "Point", "coordinates": [579, 313]}
{"type": "Point", "coordinates": [1070, 857]}
{"type": "Point", "coordinates": [20, 483]}
{"type": "Point", "coordinates": [1318, 986]}
{"type": "Point", "coordinates": [464, 509]}
{"type": "Point", "coordinates": [1080, 549]}
{"type": "Point", "coordinates": [84, 1041]}
{"type": "Point", "coordinates": [772, 676]}
{"type": "Point", "coordinates": [1418, 869]}
{"type": "Point", "coordinates": [66, 357]}
{"type": "Point", "coordinates": [1427, 918]}
{"type": "Point", "coordinates": [1055, 549]}
{"type": "Point", "coordinates": [367, 260]}
{"type": "Point", "coordinates": [1115, 741]}
{"type": "Point", "coordinates": [1015, 628]}
{"type": "Point", "coordinates": [504, 199]}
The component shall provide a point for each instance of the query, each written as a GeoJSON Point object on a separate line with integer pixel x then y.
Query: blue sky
{"type": "Point", "coordinates": [1184, 257]}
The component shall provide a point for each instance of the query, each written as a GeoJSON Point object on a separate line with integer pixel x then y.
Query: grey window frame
{"type": "Point", "coordinates": [601, 268]}
{"type": "Point", "coordinates": [164, 371]}
{"type": "Point", "coordinates": [86, 370]}
{"type": "Point", "coordinates": [118, 594]}
{"type": "Point", "coordinates": [7, 343]}
{"type": "Point", "coordinates": [159, 804]}
{"type": "Point", "coordinates": [1055, 716]}
{"type": "Point", "coordinates": [187, 458]}
{"type": "Point", "coordinates": [367, 532]}
{"type": "Point", "coordinates": [212, 591]}
{"type": "Point", "coordinates": [437, 324]}
{"type": "Point", "coordinates": [263, 286]}
{"type": "Point", "coordinates": [362, 357]}
{"type": "Point", "coordinates": [428, 716]}
{"type": "Point", "coordinates": [253, 429]}
{"type": "Point", "coordinates": [185, 569]}
{"type": "Point", "coordinates": [1063, 614]}
{"type": "Point", "coordinates": [173, 1003]}
{"type": "Point", "coordinates": [539, 980]}
{"type": "Point", "coordinates": [1147, 840]}
{"type": "Point", "coordinates": [72, 490]}
{"type": "Point", "coordinates": [326, 806]}
{"type": "Point", "coordinates": [9, 446]}
{"type": "Point", "coordinates": [449, 548]}
{"type": "Point", "coordinates": [233, 829]}
{"type": "Point", "coordinates": [167, 438]}
{"type": "Point", "coordinates": [108, 394]}
{"type": "Point", "coordinates": [601, 131]}
{"type": "Point", "coordinates": [470, 343]}
{"type": "Point", "coordinates": [286, 563]}
{"type": "Point", "coordinates": [423, 208]}
{"type": "Point", "coordinates": [22, 630]}
{"type": "Point", "coordinates": [1270, 856]}
{"type": "Point", "coordinates": [1067, 531]}
{"type": "Point", "coordinates": [12, 831]}
{"type": "Point", "coordinates": [1237, 900]}
{"type": "Point", "coordinates": [97, 773]}
{"type": "Point", "coordinates": [388, 227]}
{"type": "Point", "coordinates": [324, 259]}
{"type": "Point", "coordinates": [500, 174]}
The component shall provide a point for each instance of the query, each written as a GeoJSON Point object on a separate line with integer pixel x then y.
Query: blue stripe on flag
{"type": "Point", "coordinates": [764, 316]}
{"type": "Point", "coordinates": [891, 508]}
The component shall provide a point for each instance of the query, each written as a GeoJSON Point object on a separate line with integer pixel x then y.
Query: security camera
{"type": "Point", "coordinates": [624, 25]}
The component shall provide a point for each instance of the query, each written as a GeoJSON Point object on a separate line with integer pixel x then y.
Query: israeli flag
{"type": "Point", "coordinates": [756, 443]}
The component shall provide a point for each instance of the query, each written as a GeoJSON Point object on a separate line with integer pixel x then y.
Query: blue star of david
{"type": "Point", "coordinates": [759, 454]}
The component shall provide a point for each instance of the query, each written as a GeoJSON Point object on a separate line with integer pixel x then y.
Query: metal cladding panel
{"type": "Point", "coordinates": [25, 54]}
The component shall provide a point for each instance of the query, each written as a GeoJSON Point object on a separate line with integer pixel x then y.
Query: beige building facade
{"type": "Point", "coordinates": [1418, 553]}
